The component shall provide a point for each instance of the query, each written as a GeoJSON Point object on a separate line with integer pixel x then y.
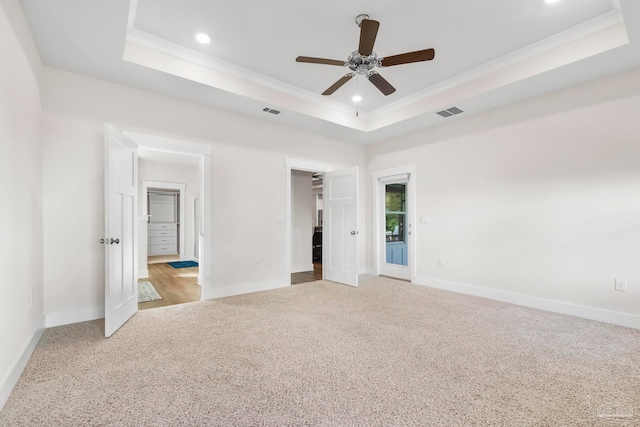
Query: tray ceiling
{"type": "Point", "coordinates": [482, 50]}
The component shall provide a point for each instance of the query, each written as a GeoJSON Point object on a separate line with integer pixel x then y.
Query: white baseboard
{"type": "Point", "coordinates": [143, 274]}
{"type": "Point", "coordinates": [74, 316]}
{"type": "Point", "coordinates": [250, 287]}
{"type": "Point", "coordinates": [592, 313]}
{"type": "Point", "coordinates": [301, 268]}
{"type": "Point", "coordinates": [11, 379]}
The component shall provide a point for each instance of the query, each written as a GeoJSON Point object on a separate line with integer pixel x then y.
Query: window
{"type": "Point", "coordinates": [395, 212]}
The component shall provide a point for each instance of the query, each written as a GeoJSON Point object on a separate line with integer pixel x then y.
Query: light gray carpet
{"type": "Point", "coordinates": [385, 354]}
{"type": "Point", "coordinates": [146, 292]}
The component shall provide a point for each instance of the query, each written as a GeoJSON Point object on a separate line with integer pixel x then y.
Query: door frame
{"type": "Point", "coordinates": [203, 151]}
{"type": "Point", "coordinates": [378, 216]}
{"type": "Point", "coordinates": [301, 165]}
{"type": "Point", "coordinates": [195, 231]}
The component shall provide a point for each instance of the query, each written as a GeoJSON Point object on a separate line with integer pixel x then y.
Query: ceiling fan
{"type": "Point", "coordinates": [364, 60]}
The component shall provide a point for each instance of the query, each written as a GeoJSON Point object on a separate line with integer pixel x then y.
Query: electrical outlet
{"type": "Point", "coordinates": [621, 285]}
{"type": "Point", "coordinates": [424, 219]}
{"type": "Point", "coordinates": [440, 262]}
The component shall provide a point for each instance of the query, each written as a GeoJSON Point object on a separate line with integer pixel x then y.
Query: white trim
{"type": "Point", "coordinates": [247, 288]}
{"type": "Point", "coordinates": [301, 165]}
{"type": "Point", "coordinates": [169, 145]}
{"type": "Point", "coordinates": [74, 316]}
{"type": "Point", "coordinates": [592, 313]}
{"type": "Point", "coordinates": [205, 277]}
{"type": "Point", "coordinates": [379, 177]}
{"type": "Point", "coordinates": [193, 231]}
{"type": "Point", "coordinates": [143, 274]}
{"type": "Point", "coordinates": [306, 165]}
{"type": "Point", "coordinates": [10, 380]}
{"type": "Point", "coordinates": [182, 188]}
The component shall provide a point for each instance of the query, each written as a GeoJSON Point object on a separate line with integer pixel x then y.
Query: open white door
{"type": "Point", "coordinates": [121, 229]}
{"type": "Point", "coordinates": [340, 231]}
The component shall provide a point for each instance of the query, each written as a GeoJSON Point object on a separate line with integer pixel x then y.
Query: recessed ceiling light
{"type": "Point", "coordinates": [356, 98]}
{"type": "Point", "coordinates": [551, 1]}
{"type": "Point", "coordinates": [203, 38]}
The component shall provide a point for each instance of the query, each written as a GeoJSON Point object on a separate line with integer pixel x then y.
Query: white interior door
{"type": "Point", "coordinates": [340, 231]}
{"type": "Point", "coordinates": [121, 228]}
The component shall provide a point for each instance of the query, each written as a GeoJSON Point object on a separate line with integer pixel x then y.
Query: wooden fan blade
{"type": "Point", "coordinates": [368, 33]}
{"type": "Point", "coordinates": [407, 58]}
{"type": "Point", "coordinates": [379, 82]}
{"type": "Point", "coordinates": [312, 60]}
{"type": "Point", "coordinates": [337, 85]}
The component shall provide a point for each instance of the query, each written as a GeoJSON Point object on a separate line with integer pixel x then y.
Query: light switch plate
{"type": "Point", "coordinates": [621, 285]}
{"type": "Point", "coordinates": [424, 219]}
{"type": "Point", "coordinates": [281, 219]}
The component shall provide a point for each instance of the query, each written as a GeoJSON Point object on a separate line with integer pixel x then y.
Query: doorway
{"type": "Point", "coordinates": [394, 233]}
{"type": "Point", "coordinates": [124, 222]}
{"type": "Point", "coordinates": [198, 155]}
{"type": "Point", "coordinates": [306, 229]}
{"type": "Point", "coordinates": [340, 239]}
{"type": "Point", "coordinates": [168, 180]}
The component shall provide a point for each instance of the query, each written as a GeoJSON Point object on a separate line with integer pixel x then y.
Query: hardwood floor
{"type": "Point", "coordinates": [179, 285]}
{"type": "Point", "coordinates": [175, 285]}
{"type": "Point", "coordinates": [307, 276]}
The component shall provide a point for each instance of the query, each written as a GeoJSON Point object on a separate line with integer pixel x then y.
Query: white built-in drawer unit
{"type": "Point", "coordinates": [162, 238]}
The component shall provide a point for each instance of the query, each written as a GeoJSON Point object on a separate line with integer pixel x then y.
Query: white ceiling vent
{"type": "Point", "coordinates": [271, 110]}
{"type": "Point", "coordinates": [450, 112]}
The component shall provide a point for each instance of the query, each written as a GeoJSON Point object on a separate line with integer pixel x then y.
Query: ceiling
{"type": "Point", "coordinates": [488, 54]}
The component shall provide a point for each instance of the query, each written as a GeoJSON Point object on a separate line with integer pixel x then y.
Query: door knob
{"type": "Point", "coordinates": [116, 241]}
{"type": "Point", "coordinates": [353, 233]}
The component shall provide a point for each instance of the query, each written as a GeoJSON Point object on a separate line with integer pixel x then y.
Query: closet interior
{"type": "Point", "coordinates": [163, 225]}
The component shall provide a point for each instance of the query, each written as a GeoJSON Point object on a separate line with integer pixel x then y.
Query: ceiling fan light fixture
{"type": "Point", "coordinates": [363, 61]}
{"type": "Point", "coordinates": [203, 38]}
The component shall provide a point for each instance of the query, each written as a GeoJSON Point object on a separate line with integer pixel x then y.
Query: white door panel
{"type": "Point", "coordinates": [340, 231]}
{"type": "Point", "coordinates": [121, 227]}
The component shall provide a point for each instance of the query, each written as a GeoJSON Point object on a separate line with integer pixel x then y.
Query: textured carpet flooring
{"type": "Point", "coordinates": [387, 353]}
{"type": "Point", "coordinates": [146, 292]}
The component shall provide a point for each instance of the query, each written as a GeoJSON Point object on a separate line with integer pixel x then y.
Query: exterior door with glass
{"type": "Point", "coordinates": [396, 228]}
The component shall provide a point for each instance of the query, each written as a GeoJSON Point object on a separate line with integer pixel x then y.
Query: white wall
{"type": "Point", "coordinates": [538, 203]}
{"type": "Point", "coordinates": [302, 203]}
{"type": "Point", "coordinates": [248, 170]}
{"type": "Point", "coordinates": [151, 170]}
{"type": "Point", "coordinates": [21, 319]}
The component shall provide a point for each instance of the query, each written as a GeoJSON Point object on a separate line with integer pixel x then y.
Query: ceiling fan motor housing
{"type": "Point", "coordinates": [362, 65]}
